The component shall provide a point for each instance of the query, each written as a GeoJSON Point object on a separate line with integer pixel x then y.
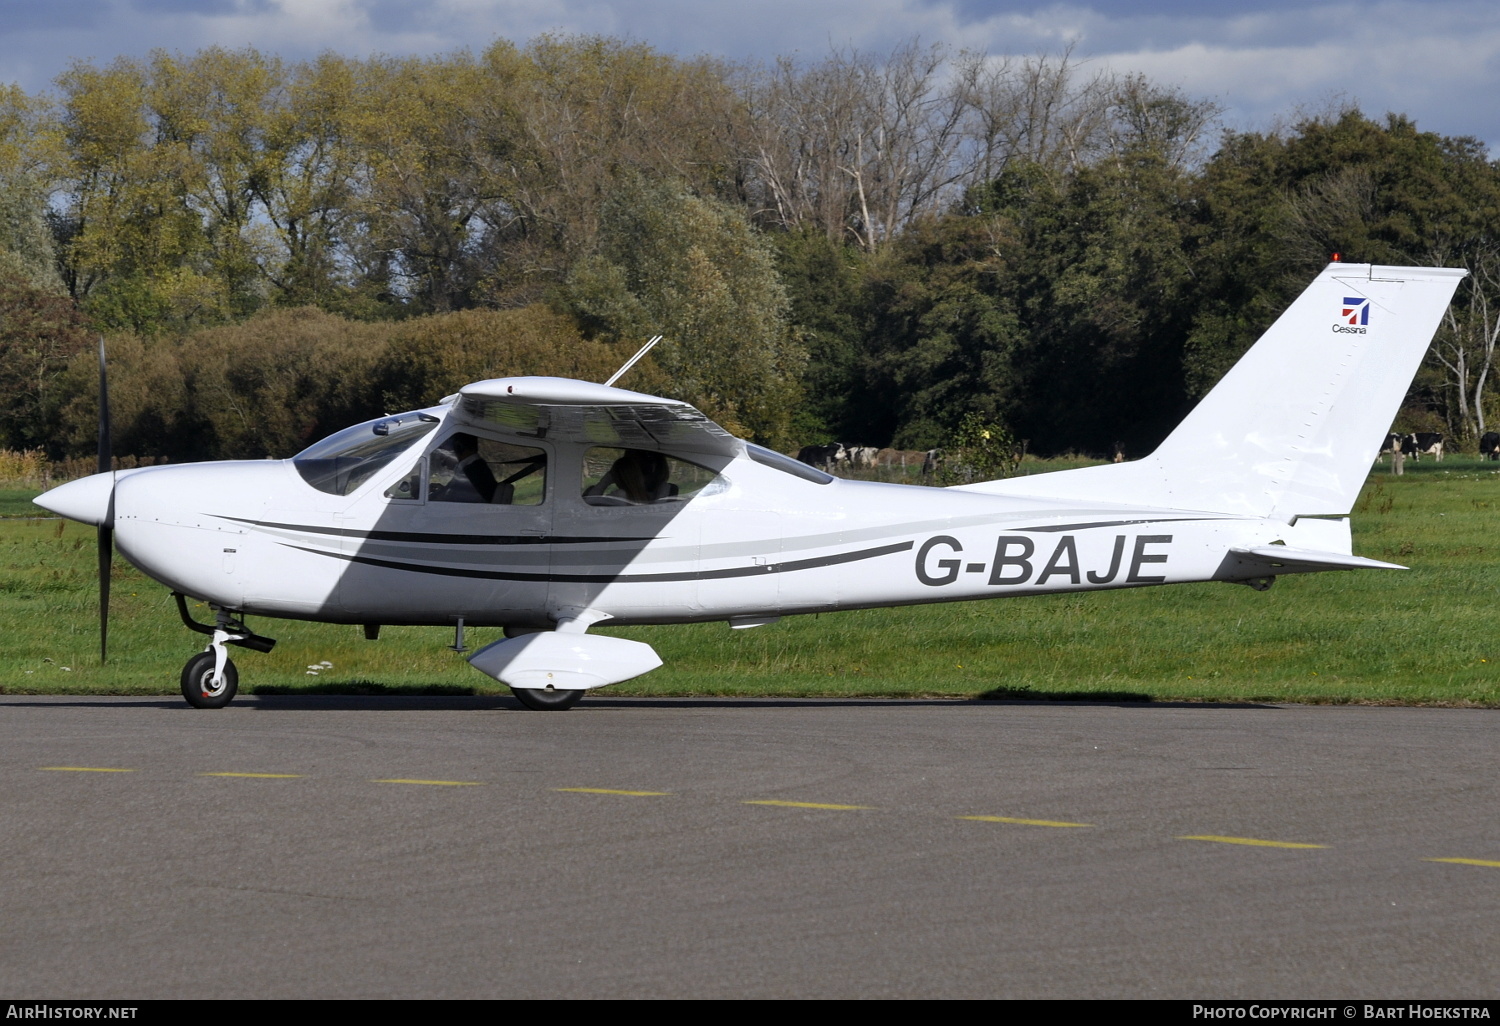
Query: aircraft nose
{"type": "Point", "coordinates": [86, 500]}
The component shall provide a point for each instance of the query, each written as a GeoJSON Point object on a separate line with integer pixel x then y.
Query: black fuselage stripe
{"type": "Point", "coordinates": [685, 575]}
{"type": "Point", "coordinates": [443, 539]}
{"type": "Point", "coordinates": [1112, 523]}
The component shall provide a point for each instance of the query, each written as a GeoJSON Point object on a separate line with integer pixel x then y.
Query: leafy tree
{"type": "Point", "coordinates": [978, 451]}
{"type": "Point", "coordinates": [1051, 306]}
{"type": "Point", "coordinates": [40, 331]}
{"type": "Point", "coordinates": [694, 270]}
{"type": "Point", "coordinates": [824, 282]}
{"type": "Point", "coordinates": [427, 358]}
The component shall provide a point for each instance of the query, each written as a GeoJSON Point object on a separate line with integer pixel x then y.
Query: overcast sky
{"type": "Point", "coordinates": [1437, 60]}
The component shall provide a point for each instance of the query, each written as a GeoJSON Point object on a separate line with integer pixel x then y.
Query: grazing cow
{"type": "Point", "coordinates": [1489, 445]}
{"type": "Point", "coordinates": [861, 456]}
{"type": "Point", "coordinates": [1418, 442]}
{"type": "Point", "coordinates": [1394, 444]}
{"type": "Point", "coordinates": [824, 457]}
{"type": "Point", "coordinates": [930, 460]}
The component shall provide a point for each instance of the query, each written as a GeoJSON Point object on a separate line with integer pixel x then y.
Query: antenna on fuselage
{"type": "Point", "coordinates": [631, 362]}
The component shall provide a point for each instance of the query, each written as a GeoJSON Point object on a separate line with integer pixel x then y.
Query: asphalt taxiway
{"type": "Point", "coordinates": [352, 847]}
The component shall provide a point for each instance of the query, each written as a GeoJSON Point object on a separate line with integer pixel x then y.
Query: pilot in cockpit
{"type": "Point", "coordinates": [637, 477]}
{"type": "Point", "coordinates": [472, 479]}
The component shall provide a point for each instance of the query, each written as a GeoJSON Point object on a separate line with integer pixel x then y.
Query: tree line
{"type": "Point", "coordinates": [870, 247]}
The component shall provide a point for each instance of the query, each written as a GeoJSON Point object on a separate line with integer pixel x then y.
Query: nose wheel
{"type": "Point", "coordinates": [205, 689]}
{"type": "Point", "coordinates": [209, 680]}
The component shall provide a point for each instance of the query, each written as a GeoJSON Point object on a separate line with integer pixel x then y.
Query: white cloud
{"type": "Point", "coordinates": [1436, 60]}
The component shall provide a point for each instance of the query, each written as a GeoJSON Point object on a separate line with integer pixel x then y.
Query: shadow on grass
{"type": "Point", "coordinates": [367, 689]}
{"type": "Point", "coordinates": [438, 697]}
{"type": "Point", "coordinates": [1026, 694]}
{"type": "Point", "coordinates": [999, 696]}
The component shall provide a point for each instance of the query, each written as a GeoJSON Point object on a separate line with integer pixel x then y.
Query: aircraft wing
{"type": "Point", "coordinates": [593, 414]}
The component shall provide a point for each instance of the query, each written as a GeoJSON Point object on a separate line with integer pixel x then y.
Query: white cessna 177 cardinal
{"type": "Point", "coordinates": [548, 505]}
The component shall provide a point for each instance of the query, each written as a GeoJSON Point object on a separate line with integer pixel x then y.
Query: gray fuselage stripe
{"type": "Point", "coordinates": [620, 578]}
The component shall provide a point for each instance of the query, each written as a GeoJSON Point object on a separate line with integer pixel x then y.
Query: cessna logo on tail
{"type": "Point", "coordinates": [1354, 316]}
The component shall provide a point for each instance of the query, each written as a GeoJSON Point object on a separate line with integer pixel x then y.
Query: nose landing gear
{"type": "Point", "coordinates": [206, 686]}
{"type": "Point", "coordinates": [210, 680]}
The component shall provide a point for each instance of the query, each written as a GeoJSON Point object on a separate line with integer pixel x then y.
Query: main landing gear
{"type": "Point", "coordinates": [536, 699]}
{"type": "Point", "coordinates": [210, 680]}
{"type": "Point", "coordinates": [545, 701]}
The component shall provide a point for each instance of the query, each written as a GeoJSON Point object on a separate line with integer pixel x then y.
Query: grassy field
{"type": "Point", "coordinates": [1425, 637]}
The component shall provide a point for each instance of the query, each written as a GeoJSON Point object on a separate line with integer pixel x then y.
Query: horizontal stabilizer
{"type": "Point", "coordinates": [1275, 560]}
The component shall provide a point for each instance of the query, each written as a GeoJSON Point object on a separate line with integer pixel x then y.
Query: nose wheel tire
{"type": "Point", "coordinates": [544, 701]}
{"type": "Point", "coordinates": [198, 682]}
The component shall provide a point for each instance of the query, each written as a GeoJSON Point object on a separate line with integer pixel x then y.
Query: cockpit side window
{"type": "Point", "coordinates": [347, 459]}
{"type": "Point", "coordinates": [467, 468]}
{"type": "Point", "coordinates": [642, 477]}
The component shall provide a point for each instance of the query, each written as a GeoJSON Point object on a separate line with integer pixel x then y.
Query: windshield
{"type": "Point", "coordinates": [347, 459]}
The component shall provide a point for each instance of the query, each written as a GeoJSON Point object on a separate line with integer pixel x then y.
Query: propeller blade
{"type": "Point", "coordinates": [106, 456]}
{"type": "Point", "coordinates": [106, 531]}
{"type": "Point", "coordinates": [106, 557]}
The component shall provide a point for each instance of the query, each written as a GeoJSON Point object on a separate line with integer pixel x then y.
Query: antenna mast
{"type": "Point", "coordinates": [631, 362]}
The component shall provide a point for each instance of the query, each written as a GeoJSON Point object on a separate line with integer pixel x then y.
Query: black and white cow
{"type": "Point", "coordinates": [1394, 444]}
{"type": "Point", "coordinates": [1489, 445]}
{"type": "Point", "coordinates": [1418, 442]}
{"type": "Point", "coordinates": [824, 457]}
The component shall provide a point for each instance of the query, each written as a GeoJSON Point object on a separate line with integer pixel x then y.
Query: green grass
{"type": "Point", "coordinates": [1423, 637]}
{"type": "Point", "coordinates": [16, 502]}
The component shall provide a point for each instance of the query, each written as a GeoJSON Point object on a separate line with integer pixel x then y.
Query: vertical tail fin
{"type": "Point", "coordinates": [1293, 427]}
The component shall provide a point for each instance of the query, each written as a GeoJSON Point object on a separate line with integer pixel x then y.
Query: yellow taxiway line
{"type": "Point", "coordinates": [431, 783]}
{"type": "Point", "coordinates": [606, 790]}
{"type": "Point", "coordinates": [1025, 822]}
{"type": "Point", "coordinates": [1467, 862]}
{"type": "Point", "coordinates": [808, 805]}
{"type": "Point", "coordinates": [257, 776]}
{"type": "Point", "coordinates": [84, 769]}
{"type": "Point", "coordinates": [1254, 841]}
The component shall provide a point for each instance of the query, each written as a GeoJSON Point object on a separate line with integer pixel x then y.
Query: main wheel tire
{"type": "Point", "coordinates": [546, 701]}
{"type": "Point", "coordinates": [198, 682]}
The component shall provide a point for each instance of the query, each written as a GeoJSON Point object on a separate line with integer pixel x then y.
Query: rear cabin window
{"type": "Point", "coordinates": [642, 477]}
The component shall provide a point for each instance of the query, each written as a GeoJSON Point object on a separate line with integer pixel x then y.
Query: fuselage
{"type": "Point", "coordinates": [758, 541]}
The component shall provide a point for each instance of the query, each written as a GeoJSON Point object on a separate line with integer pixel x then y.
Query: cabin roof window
{"type": "Point", "coordinates": [347, 459]}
